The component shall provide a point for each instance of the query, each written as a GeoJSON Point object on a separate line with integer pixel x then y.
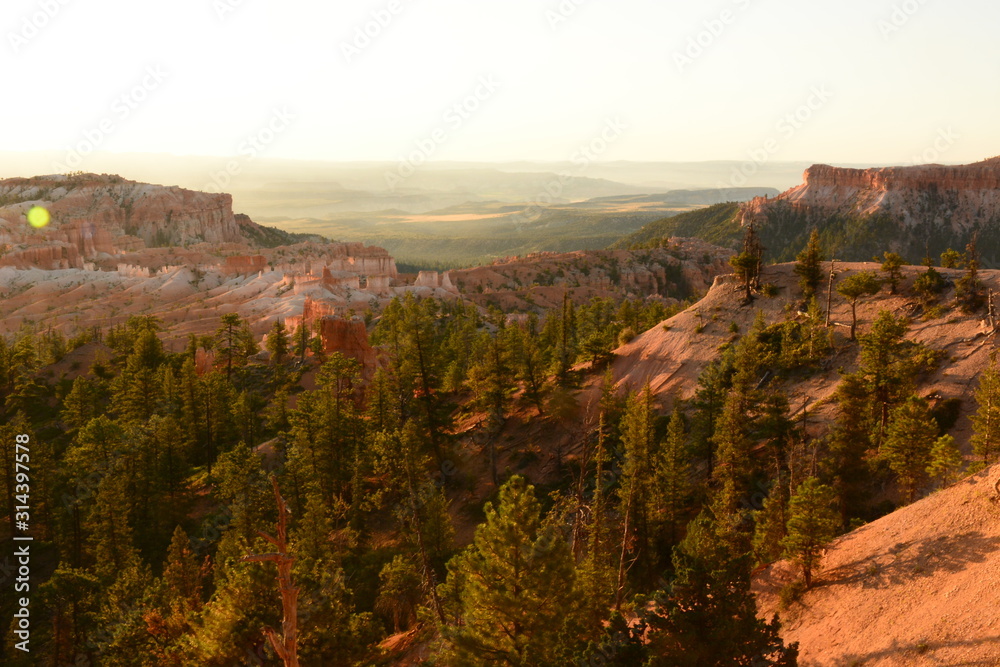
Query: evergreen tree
{"type": "Point", "coordinates": [277, 342]}
{"type": "Point", "coordinates": [946, 460]}
{"type": "Point", "coordinates": [138, 388]}
{"type": "Point", "coordinates": [812, 523]}
{"type": "Point", "coordinates": [515, 586]}
{"type": "Point", "coordinates": [84, 401]}
{"type": "Point", "coordinates": [672, 484]}
{"type": "Point", "coordinates": [986, 420]}
{"type": "Point", "coordinates": [852, 288]}
{"type": "Point", "coordinates": [234, 341]}
{"type": "Point", "coordinates": [746, 266]}
{"type": "Point", "coordinates": [491, 376]}
{"type": "Point", "coordinates": [911, 435]}
{"type": "Point", "coordinates": [929, 284]}
{"type": "Point", "coordinates": [888, 367]}
{"type": "Point", "coordinates": [71, 597]}
{"type": "Point", "coordinates": [399, 592]}
{"type": "Point", "coordinates": [564, 344]}
{"type": "Point", "coordinates": [302, 339]}
{"type": "Point", "coordinates": [530, 362]}
{"type": "Point", "coordinates": [708, 616]}
{"type": "Point", "coordinates": [636, 484]}
{"type": "Point", "coordinates": [951, 259]}
{"type": "Point", "coordinates": [892, 267]}
{"type": "Point", "coordinates": [969, 292]}
{"type": "Point", "coordinates": [770, 523]}
{"type": "Point", "coordinates": [809, 267]}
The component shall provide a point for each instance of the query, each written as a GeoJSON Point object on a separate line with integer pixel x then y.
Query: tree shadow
{"type": "Point", "coordinates": [926, 649]}
{"type": "Point", "coordinates": [909, 561]}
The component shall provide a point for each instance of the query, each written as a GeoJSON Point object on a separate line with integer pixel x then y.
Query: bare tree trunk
{"type": "Point", "coordinates": [286, 646]}
{"type": "Point", "coordinates": [829, 293]}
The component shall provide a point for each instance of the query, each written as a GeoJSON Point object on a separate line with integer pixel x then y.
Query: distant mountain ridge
{"type": "Point", "coordinates": [101, 215]}
{"type": "Point", "coordinates": [863, 212]}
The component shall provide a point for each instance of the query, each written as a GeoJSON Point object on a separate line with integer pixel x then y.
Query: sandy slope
{"type": "Point", "coordinates": [672, 355]}
{"type": "Point", "coordinates": [917, 587]}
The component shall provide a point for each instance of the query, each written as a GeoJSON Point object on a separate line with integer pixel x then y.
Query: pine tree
{"type": "Point", "coordinates": [986, 421]}
{"type": "Point", "coordinates": [892, 266]}
{"type": "Point", "coordinates": [969, 293]}
{"type": "Point", "coordinates": [809, 267]}
{"type": "Point", "coordinates": [84, 401]}
{"type": "Point", "coordinates": [182, 575]}
{"type": "Point", "coordinates": [234, 341]}
{"type": "Point", "coordinates": [951, 259]}
{"type": "Point", "coordinates": [672, 483]}
{"type": "Point", "coordinates": [636, 484]}
{"type": "Point", "coordinates": [514, 586]}
{"type": "Point", "coordinates": [708, 615]}
{"type": "Point", "coordinates": [277, 342]}
{"type": "Point", "coordinates": [565, 343]}
{"type": "Point", "coordinates": [850, 441]}
{"type": "Point", "coordinates": [530, 362]}
{"type": "Point", "coordinates": [138, 388]}
{"type": "Point", "coordinates": [852, 288]}
{"type": "Point", "coordinates": [946, 460]}
{"type": "Point", "coordinates": [399, 592]}
{"type": "Point", "coordinates": [812, 523]}
{"type": "Point", "coordinates": [770, 523]}
{"type": "Point", "coordinates": [911, 435]}
{"type": "Point", "coordinates": [888, 368]}
{"type": "Point", "coordinates": [302, 339]}
{"type": "Point", "coordinates": [491, 376]}
{"type": "Point", "coordinates": [71, 597]}
{"type": "Point", "coordinates": [745, 266]}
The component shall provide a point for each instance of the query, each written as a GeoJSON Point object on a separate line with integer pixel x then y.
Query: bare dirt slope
{"type": "Point", "coordinates": [917, 587]}
{"type": "Point", "coordinates": [672, 355]}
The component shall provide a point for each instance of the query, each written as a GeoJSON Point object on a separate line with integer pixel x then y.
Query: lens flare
{"type": "Point", "coordinates": [38, 217]}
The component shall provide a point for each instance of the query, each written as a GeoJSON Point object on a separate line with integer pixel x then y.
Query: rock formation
{"type": "Point", "coordinates": [912, 210]}
{"type": "Point", "coordinates": [350, 338]}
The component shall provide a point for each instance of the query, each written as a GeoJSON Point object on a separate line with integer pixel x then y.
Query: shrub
{"type": "Point", "coordinates": [792, 593]}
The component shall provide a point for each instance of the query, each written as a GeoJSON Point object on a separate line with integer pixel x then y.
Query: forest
{"type": "Point", "coordinates": [157, 481]}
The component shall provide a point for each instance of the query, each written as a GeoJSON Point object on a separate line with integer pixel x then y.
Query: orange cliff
{"type": "Point", "coordinates": [972, 192]}
{"type": "Point", "coordinates": [97, 217]}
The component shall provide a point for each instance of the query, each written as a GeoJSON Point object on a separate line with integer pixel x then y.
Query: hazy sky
{"type": "Point", "coordinates": [534, 79]}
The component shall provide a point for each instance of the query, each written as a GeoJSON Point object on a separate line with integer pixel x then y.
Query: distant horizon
{"type": "Point", "coordinates": [860, 82]}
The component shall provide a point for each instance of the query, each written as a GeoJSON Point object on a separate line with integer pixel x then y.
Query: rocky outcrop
{"type": "Point", "coordinates": [350, 338]}
{"type": "Point", "coordinates": [435, 280]}
{"type": "Point", "coordinates": [241, 264]}
{"type": "Point", "coordinates": [50, 256]}
{"type": "Point", "coordinates": [103, 215]}
{"type": "Point", "coordinates": [905, 209]}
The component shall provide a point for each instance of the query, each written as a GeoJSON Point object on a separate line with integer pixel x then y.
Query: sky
{"type": "Point", "coordinates": [407, 81]}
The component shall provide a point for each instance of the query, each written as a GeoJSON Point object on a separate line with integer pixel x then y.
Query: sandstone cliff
{"type": "Point", "coordinates": [862, 212]}
{"type": "Point", "coordinates": [95, 216]}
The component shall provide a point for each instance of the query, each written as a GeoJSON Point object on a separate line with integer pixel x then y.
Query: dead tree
{"type": "Point", "coordinates": [754, 249]}
{"type": "Point", "coordinates": [286, 646]}
{"type": "Point", "coordinates": [829, 292]}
